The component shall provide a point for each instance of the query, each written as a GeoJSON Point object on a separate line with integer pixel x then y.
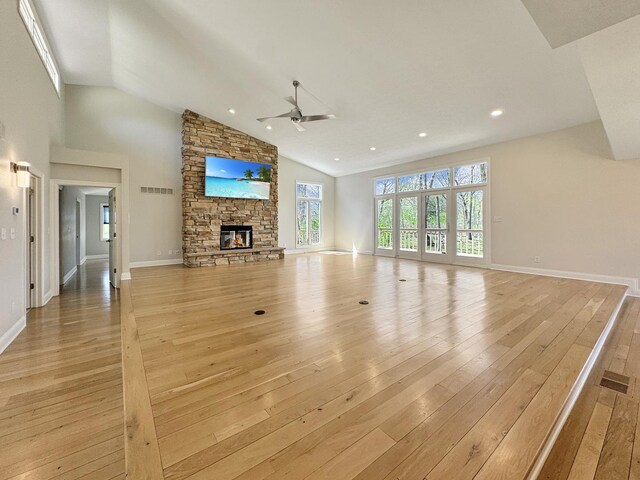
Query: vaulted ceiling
{"type": "Point", "coordinates": [387, 70]}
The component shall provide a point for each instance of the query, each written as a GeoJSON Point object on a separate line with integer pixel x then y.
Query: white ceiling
{"type": "Point", "coordinates": [388, 73]}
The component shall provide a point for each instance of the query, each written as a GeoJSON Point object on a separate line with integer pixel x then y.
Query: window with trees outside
{"type": "Point", "coordinates": [433, 215]}
{"type": "Point", "coordinates": [308, 214]}
{"type": "Point", "coordinates": [104, 222]}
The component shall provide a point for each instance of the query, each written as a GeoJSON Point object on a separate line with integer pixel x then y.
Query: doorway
{"type": "Point", "coordinates": [86, 253]}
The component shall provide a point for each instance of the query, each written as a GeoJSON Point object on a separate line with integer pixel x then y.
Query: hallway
{"type": "Point", "coordinates": [61, 412]}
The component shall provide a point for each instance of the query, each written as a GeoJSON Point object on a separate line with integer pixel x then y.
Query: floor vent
{"type": "Point", "coordinates": [615, 381]}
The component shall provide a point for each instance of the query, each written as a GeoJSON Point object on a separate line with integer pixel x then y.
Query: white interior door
{"type": "Point", "coordinates": [78, 253]}
{"type": "Point", "coordinates": [114, 276]}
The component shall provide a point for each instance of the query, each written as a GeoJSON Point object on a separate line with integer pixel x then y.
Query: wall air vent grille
{"type": "Point", "coordinates": [160, 190]}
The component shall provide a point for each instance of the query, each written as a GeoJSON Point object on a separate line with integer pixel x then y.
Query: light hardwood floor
{"type": "Point", "coordinates": [61, 410]}
{"type": "Point", "coordinates": [453, 373]}
{"type": "Point", "coordinates": [601, 439]}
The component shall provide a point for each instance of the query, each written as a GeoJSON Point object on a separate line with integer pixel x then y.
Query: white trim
{"type": "Point", "coordinates": [125, 276]}
{"type": "Point", "coordinates": [298, 251]}
{"type": "Point", "coordinates": [576, 389]}
{"type": "Point", "coordinates": [71, 273]}
{"type": "Point", "coordinates": [11, 334]}
{"type": "Point", "coordinates": [47, 296]}
{"type": "Point", "coordinates": [54, 218]}
{"type": "Point", "coordinates": [83, 260]}
{"type": "Point", "coordinates": [632, 283]}
{"type": "Point", "coordinates": [156, 263]}
{"type": "Point", "coordinates": [97, 257]}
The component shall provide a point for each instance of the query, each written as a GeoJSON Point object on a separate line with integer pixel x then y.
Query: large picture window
{"type": "Point", "coordinates": [436, 215]}
{"type": "Point", "coordinates": [308, 214]}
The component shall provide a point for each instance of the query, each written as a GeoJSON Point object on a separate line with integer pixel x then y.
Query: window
{"type": "Point", "coordinates": [471, 174]}
{"type": "Point", "coordinates": [104, 222]}
{"type": "Point", "coordinates": [385, 186]}
{"type": "Point", "coordinates": [29, 19]}
{"type": "Point", "coordinates": [437, 215]}
{"type": "Point", "coordinates": [308, 214]}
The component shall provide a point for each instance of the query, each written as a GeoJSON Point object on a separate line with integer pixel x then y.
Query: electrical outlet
{"type": "Point", "coordinates": [13, 233]}
{"type": "Point", "coordinates": [3, 234]}
{"type": "Point", "coordinates": [170, 252]}
{"type": "Point", "coordinates": [497, 218]}
{"type": "Point", "coordinates": [159, 252]}
{"type": "Point", "coordinates": [536, 259]}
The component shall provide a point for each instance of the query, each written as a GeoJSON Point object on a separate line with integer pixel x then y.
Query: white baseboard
{"type": "Point", "coordinates": [632, 283]}
{"type": "Point", "coordinates": [84, 259]}
{"type": "Point", "coordinates": [11, 334]}
{"type": "Point", "coordinates": [68, 276]}
{"type": "Point", "coordinates": [298, 251]}
{"type": "Point", "coordinates": [96, 257]}
{"type": "Point", "coordinates": [574, 393]}
{"type": "Point", "coordinates": [47, 296]}
{"type": "Point", "coordinates": [156, 263]}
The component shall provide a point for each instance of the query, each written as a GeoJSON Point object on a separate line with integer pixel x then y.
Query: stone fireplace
{"type": "Point", "coordinates": [203, 217]}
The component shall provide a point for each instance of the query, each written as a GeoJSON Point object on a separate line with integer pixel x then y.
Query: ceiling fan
{"type": "Point", "coordinates": [295, 115]}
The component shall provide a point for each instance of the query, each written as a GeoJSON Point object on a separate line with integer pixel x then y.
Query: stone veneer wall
{"type": "Point", "coordinates": [202, 216]}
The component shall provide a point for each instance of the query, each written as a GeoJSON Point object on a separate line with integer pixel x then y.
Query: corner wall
{"type": "Point", "coordinates": [560, 196]}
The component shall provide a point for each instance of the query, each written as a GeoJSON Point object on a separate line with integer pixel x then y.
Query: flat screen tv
{"type": "Point", "coordinates": [229, 178]}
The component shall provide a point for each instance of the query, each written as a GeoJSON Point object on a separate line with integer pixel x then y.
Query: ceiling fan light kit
{"type": "Point", "coordinates": [295, 115]}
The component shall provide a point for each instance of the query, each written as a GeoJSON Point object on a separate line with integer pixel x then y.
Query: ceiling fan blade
{"type": "Point", "coordinates": [284, 115]}
{"type": "Point", "coordinates": [291, 101]}
{"type": "Point", "coordinates": [298, 126]}
{"type": "Point", "coordinates": [313, 118]}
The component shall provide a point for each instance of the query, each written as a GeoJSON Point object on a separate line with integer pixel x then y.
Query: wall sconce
{"type": "Point", "coordinates": [21, 169]}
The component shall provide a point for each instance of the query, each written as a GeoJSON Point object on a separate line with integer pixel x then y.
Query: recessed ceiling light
{"type": "Point", "coordinates": [372, 148]}
{"type": "Point", "coordinates": [496, 113]}
{"type": "Point", "coordinates": [268, 127]}
{"type": "Point", "coordinates": [231, 111]}
{"type": "Point", "coordinates": [422, 134]}
{"type": "Point", "coordinates": [337, 159]}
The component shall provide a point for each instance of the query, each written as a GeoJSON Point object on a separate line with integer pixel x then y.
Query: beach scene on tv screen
{"type": "Point", "coordinates": [236, 179]}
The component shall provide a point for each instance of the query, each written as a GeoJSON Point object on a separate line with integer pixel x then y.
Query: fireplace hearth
{"type": "Point", "coordinates": [236, 237]}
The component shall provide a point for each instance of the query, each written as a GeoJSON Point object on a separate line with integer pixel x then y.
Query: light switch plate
{"type": "Point", "coordinates": [3, 234]}
{"type": "Point", "coordinates": [13, 233]}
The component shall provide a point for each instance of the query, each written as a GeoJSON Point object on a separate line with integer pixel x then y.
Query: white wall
{"type": "Point", "coordinates": [290, 172]}
{"type": "Point", "coordinates": [32, 114]}
{"type": "Point", "coordinates": [69, 197]}
{"type": "Point", "coordinates": [95, 244]}
{"type": "Point", "coordinates": [108, 120]}
{"type": "Point", "coordinates": [560, 195]}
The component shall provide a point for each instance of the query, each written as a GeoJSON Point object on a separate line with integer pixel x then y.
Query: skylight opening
{"type": "Point", "coordinates": [40, 42]}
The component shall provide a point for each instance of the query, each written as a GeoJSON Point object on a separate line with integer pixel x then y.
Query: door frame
{"type": "Point", "coordinates": [54, 211]}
